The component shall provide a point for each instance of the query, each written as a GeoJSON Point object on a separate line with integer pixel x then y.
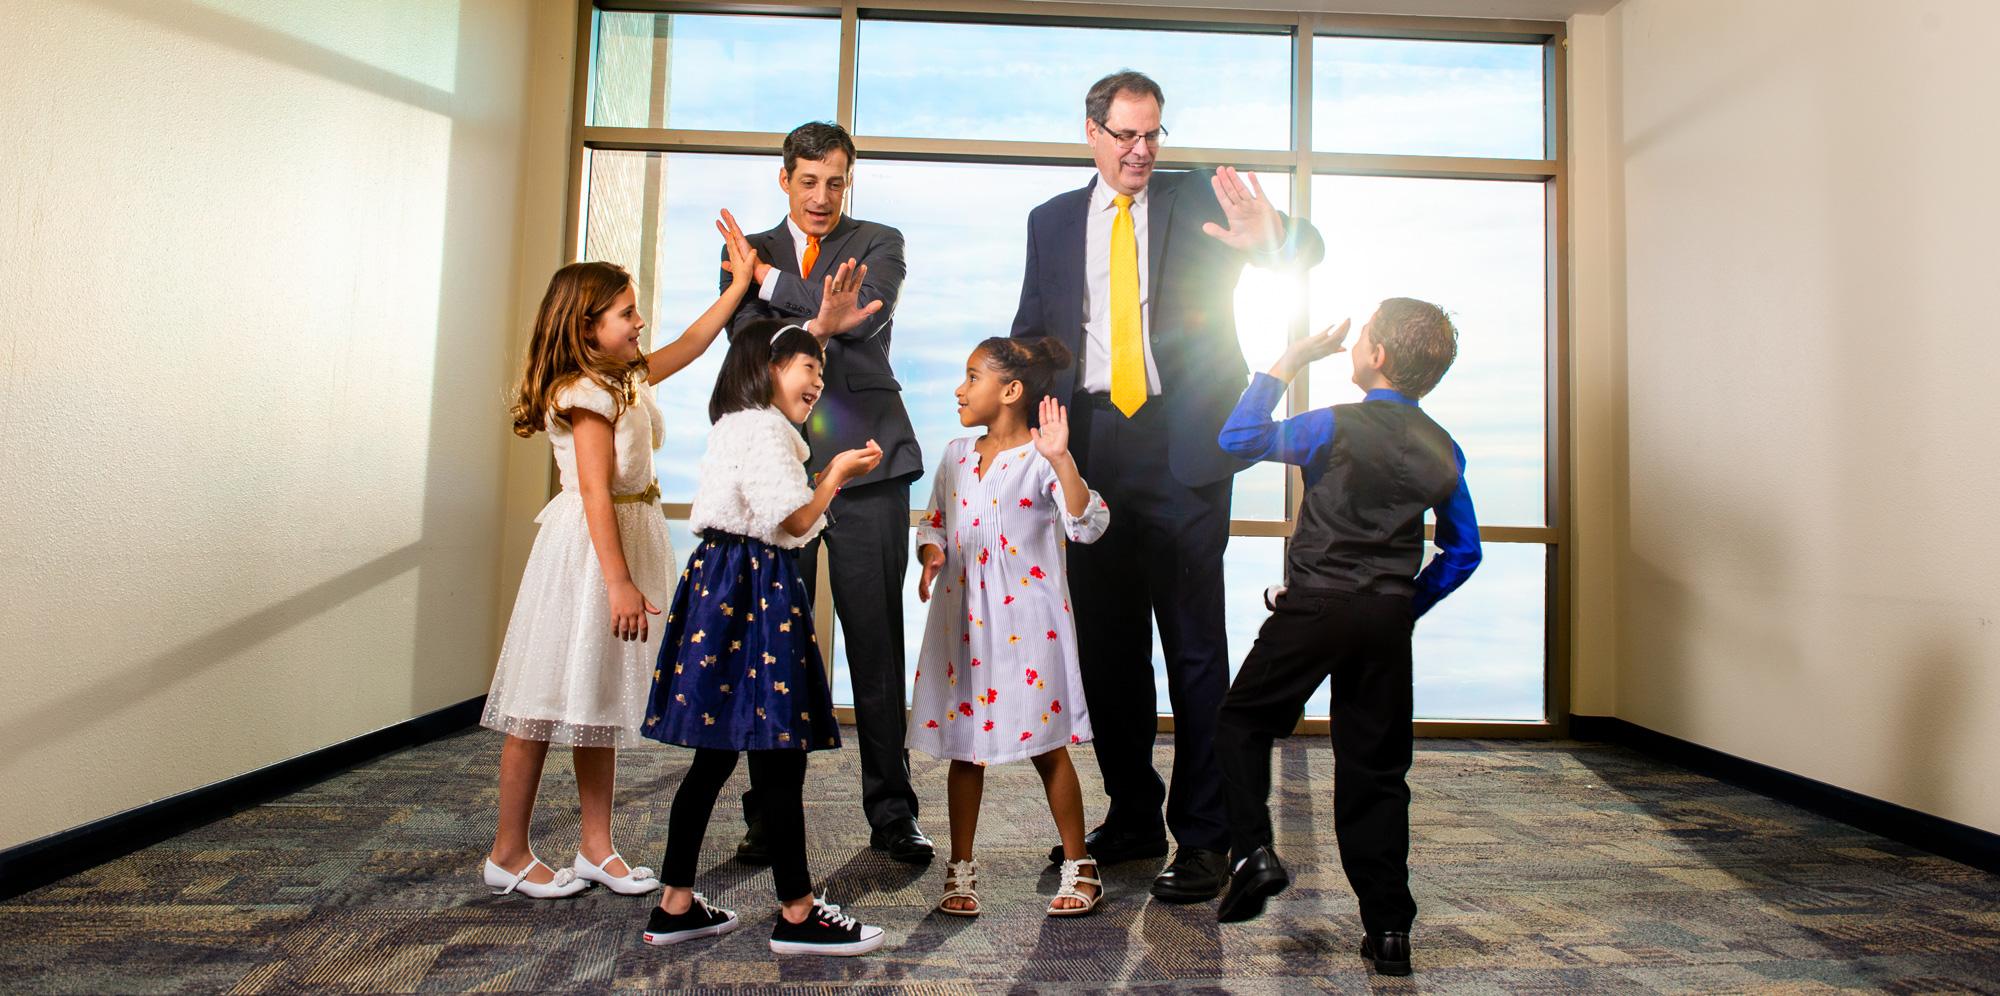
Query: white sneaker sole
{"type": "Point", "coordinates": [678, 936]}
{"type": "Point", "coordinates": [850, 949]}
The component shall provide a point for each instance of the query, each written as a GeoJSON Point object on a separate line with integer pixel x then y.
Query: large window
{"type": "Point", "coordinates": [1427, 162]}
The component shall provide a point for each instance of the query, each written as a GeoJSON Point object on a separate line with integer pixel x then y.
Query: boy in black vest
{"type": "Point", "coordinates": [1353, 591]}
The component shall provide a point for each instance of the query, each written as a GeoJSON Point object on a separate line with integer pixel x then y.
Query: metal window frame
{"type": "Point", "coordinates": [1301, 161]}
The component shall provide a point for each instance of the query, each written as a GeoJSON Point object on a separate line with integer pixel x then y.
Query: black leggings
{"type": "Point", "coordinates": [779, 778]}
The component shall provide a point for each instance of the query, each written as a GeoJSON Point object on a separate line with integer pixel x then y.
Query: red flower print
{"type": "Point", "coordinates": [1055, 705]}
{"type": "Point", "coordinates": [1032, 676]}
{"type": "Point", "coordinates": [962, 503]}
{"type": "Point", "coordinates": [982, 554]}
{"type": "Point", "coordinates": [1027, 503]}
{"type": "Point", "coordinates": [965, 708]}
{"type": "Point", "coordinates": [1033, 572]}
{"type": "Point", "coordinates": [1101, 504]}
{"type": "Point", "coordinates": [930, 724]}
{"type": "Point", "coordinates": [1073, 738]}
{"type": "Point", "coordinates": [1009, 600]}
{"type": "Point", "coordinates": [988, 727]}
{"type": "Point", "coordinates": [1065, 605]}
{"type": "Point", "coordinates": [961, 459]}
{"type": "Point", "coordinates": [1025, 735]}
{"type": "Point", "coordinates": [975, 520]}
{"type": "Point", "coordinates": [975, 662]}
{"type": "Point", "coordinates": [949, 669]}
{"type": "Point", "coordinates": [1052, 634]}
{"type": "Point", "coordinates": [937, 519]}
{"type": "Point", "coordinates": [1052, 487]}
{"type": "Point", "coordinates": [992, 695]}
{"type": "Point", "coordinates": [1003, 539]}
{"type": "Point", "coordinates": [966, 638]}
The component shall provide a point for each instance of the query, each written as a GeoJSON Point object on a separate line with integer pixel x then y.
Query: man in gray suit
{"type": "Point", "coordinates": [868, 538]}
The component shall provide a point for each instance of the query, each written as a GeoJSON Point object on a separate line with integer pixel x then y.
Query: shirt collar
{"type": "Point", "coordinates": [1101, 195]}
{"type": "Point", "coordinates": [1390, 394]}
{"type": "Point", "coordinates": [798, 234]}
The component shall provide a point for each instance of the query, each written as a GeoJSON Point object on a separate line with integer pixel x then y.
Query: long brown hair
{"type": "Point", "coordinates": [562, 351]}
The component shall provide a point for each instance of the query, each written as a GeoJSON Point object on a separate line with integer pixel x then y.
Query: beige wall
{"type": "Point", "coordinates": [1796, 362]}
{"type": "Point", "coordinates": [259, 302]}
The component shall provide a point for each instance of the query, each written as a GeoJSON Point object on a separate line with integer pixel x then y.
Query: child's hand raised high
{"type": "Point", "coordinates": [1052, 439]}
{"type": "Point", "coordinates": [742, 262]}
{"type": "Point", "coordinates": [1318, 346]}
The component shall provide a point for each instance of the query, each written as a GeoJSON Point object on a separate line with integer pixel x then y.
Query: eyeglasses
{"type": "Point", "coordinates": [1125, 140]}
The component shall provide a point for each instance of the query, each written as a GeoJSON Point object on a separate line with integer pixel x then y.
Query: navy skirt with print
{"type": "Point", "coordinates": [740, 667]}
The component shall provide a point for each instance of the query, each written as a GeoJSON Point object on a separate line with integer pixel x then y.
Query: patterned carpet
{"type": "Point", "coordinates": [1538, 867]}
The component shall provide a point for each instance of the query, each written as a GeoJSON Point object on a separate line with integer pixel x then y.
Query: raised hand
{"type": "Point", "coordinates": [1052, 439]}
{"type": "Point", "coordinates": [1254, 225]}
{"type": "Point", "coordinates": [1318, 346]}
{"type": "Point", "coordinates": [742, 263]}
{"type": "Point", "coordinates": [840, 301]}
{"type": "Point", "coordinates": [933, 561]}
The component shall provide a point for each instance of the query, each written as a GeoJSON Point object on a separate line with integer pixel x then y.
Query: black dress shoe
{"type": "Point", "coordinates": [1111, 846]}
{"type": "Point", "coordinates": [903, 842]}
{"type": "Point", "coordinates": [1257, 877]}
{"type": "Point", "coordinates": [1196, 876]}
{"type": "Point", "coordinates": [754, 848]}
{"type": "Point", "coordinates": [1388, 951]}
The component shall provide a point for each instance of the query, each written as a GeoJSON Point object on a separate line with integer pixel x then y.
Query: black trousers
{"type": "Point", "coordinates": [778, 777]}
{"type": "Point", "coordinates": [1363, 643]}
{"type": "Point", "coordinates": [1161, 561]}
{"type": "Point", "coordinates": [868, 546]}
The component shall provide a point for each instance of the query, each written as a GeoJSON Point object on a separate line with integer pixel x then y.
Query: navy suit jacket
{"type": "Point", "coordinates": [1192, 315]}
{"type": "Point", "coordinates": [863, 399]}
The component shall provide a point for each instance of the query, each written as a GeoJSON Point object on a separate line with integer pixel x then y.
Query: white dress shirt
{"type": "Point", "coordinates": [1097, 291]}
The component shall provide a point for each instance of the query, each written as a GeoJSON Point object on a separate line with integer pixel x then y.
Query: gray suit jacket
{"type": "Point", "coordinates": [862, 400]}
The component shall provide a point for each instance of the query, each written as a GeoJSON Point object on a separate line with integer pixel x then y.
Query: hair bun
{"type": "Point", "coordinates": [1052, 352]}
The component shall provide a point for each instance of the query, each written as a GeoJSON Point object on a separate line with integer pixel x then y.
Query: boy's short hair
{"type": "Point", "coordinates": [1418, 344]}
{"type": "Point", "coordinates": [815, 140]}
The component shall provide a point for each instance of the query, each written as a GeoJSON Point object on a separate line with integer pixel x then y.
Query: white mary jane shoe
{"type": "Point", "coordinates": [635, 882]}
{"type": "Point", "coordinates": [564, 884]}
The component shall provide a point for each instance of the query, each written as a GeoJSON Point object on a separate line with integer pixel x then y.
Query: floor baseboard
{"type": "Point", "coordinates": [44, 860]}
{"type": "Point", "coordinates": [1940, 836]}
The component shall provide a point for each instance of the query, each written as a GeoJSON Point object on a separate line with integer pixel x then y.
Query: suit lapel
{"type": "Point", "coordinates": [832, 246]}
{"type": "Point", "coordinates": [1071, 253]}
{"type": "Point", "coordinates": [1159, 218]}
{"type": "Point", "coordinates": [784, 254]}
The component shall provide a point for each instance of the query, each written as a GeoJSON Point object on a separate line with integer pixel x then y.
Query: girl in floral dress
{"type": "Point", "coordinates": [997, 678]}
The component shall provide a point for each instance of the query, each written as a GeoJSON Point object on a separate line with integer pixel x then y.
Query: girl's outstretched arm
{"type": "Point", "coordinates": [669, 359]}
{"type": "Point", "coordinates": [596, 452]}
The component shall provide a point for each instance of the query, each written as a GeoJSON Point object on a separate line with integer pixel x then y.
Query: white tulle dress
{"type": "Point", "coordinates": [563, 677]}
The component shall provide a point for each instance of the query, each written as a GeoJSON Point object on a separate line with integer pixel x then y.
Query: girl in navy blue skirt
{"type": "Point", "coordinates": [740, 669]}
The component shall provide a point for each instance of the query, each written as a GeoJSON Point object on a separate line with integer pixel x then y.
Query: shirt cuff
{"type": "Point", "coordinates": [769, 285]}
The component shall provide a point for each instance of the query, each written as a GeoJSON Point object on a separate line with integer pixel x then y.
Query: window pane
{"type": "Point", "coordinates": [713, 72]}
{"type": "Point", "coordinates": [1480, 653]}
{"type": "Point", "coordinates": [1025, 83]}
{"type": "Point", "coordinates": [1427, 98]}
{"type": "Point", "coordinates": [653, 214]}
{"type": "Point", "coordinates": [1474, 248]}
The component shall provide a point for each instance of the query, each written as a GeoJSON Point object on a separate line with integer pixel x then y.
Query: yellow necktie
{"type": "Point", "coordinates": [812, 256]}
{"type": "Point", "coordinates": [1128, 351]}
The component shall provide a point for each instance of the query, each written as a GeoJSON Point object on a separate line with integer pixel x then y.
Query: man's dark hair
{"type": "Point", "coordinates": [815, 140]}
{"type": "Point", "coordinates": [1097, 103]}
{"type": "Point", "coordinates": [744, 382]}
{"type": "Point", "coordinates": [1418, 344]}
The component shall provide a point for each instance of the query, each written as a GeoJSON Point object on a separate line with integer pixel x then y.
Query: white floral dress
{"type": "Point", "coordinates": [997, 677]}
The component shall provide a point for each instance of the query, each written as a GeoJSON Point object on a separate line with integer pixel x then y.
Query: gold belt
{"type": "Point", "coordinates": [650, 496]}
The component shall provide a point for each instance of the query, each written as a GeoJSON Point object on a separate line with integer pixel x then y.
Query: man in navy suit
{"type": "Point", "coordinates": [868, 536]}
{"type": "Point", "coordinates": [1136, 273]}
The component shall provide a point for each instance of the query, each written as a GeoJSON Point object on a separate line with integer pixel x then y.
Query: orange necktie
{"type": "Point", "coordinates": [812, 256]}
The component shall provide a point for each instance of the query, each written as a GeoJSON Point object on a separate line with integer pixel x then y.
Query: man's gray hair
{"type": "Point", "coordinates": [1097, 103]}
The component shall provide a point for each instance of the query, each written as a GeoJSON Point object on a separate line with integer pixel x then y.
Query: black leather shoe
{"type": "Point", "coordinates": [1111, 846]}
{"type": "Point", "coordinates": [1257, 877]}
{"type": "Point", "coordinates": [1196, 876]}
{"type": "Point", "coordinates": [903, 842]}
{"type": "Point", "coordinates": [1388, 951]}
{"type": "Point", "coordinates": [753, 850]}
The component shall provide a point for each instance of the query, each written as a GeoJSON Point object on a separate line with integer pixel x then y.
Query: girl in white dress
{"type": "Point", "coordinates": [578, 656]}
{"type": "Point", "coordinates": [997, 678]}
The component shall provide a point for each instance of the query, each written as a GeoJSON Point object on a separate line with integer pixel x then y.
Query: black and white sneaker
{"type": "Point", "coordinates": [825, 931]}
{"type": "Point", "coordinates": [700, 920]}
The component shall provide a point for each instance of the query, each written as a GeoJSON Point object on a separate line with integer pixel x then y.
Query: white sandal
{"type": "Point", "coordinates": [564, 884]}
{"type": "Point", "coordinates": [960, 881]}
{"type": "Point", "coordinates": [1072, 876]}
{"type": "Point", "coordinates": [635, 882]}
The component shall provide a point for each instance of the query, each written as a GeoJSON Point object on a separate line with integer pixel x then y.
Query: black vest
{"type": "Point", "coordinates": [1361, 525]}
